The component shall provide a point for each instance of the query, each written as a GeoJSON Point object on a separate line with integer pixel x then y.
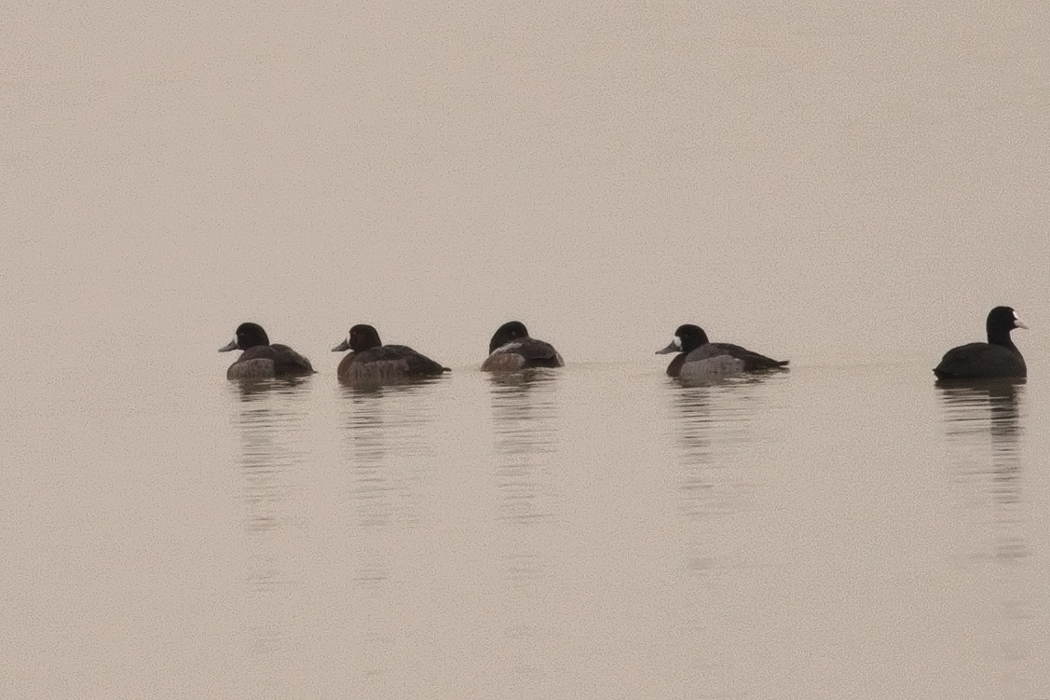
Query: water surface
{"type": "Point", "coordinates": [851, 187]}
{"type": "Point", "coordinates": [850, 531]}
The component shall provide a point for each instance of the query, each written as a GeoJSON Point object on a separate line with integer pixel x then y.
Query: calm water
{"type": "Point", "coordinates": [850, 186]}
{"type": "Point", "coordinates": [601, 531]}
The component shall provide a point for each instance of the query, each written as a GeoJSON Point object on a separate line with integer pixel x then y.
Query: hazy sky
{"type": "Point", "coordinates": [821, 181]}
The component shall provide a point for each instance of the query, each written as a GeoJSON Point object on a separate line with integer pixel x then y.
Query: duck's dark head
{"type": "Point", "coordinates": [686, 339]}
{"type": "Point", "coordinates": [248, 335]}
{"type": "Point", "coordinates": [361, 337]}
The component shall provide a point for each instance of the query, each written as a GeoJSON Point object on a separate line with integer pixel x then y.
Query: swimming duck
{"type": "Point", "coordinates": [511, 349]}
{"type": "Point", "coordinates": [698, 357]}
{"type": "Point", "coordinates": [371, 361]}
{"type": "Point", "coordinates": [260, 359]}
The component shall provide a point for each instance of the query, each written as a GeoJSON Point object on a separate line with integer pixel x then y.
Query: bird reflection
{"type": "Point", "coordinates": [367, 447]}
{"type": "Point", "coordinates": [525, 441]}
{"type": "Point", "coordinates": [523, 411]}
{"type": "Point", "coordinates": [691, 409]}
{"type": "Point", "coordinates": [260, 389]}
{"type": "Point", "coordinates": [984, 433]}
{"type": "Point", "coordinates": [385, 455]}
{"type": "Point", "coordinates": [717, 432]}
{"type": "Point", "coordinates": [722, 439]}
{"type": "Point", "coordinates": [269, 418]}
{"type": "Point", "coordinates": [982, 424]}
{"type": "Point", "coordinates": [712, 425]}
{"type": "Point", "coordinates": [270, 422]}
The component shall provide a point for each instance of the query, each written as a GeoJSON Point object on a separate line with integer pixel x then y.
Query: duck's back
{"type": "Point", "coordinates": [387, 362]}
{"type": "Point", "coordinates": [289, 363]}
{"type": "Point", "coordinates": [269, 362]}
{"type": "Point", "coordinates": [523, 354]}
{"type": "Point", "coordinates": [751, 361]}
{"type": "Point", "coordinates": [981, 360]}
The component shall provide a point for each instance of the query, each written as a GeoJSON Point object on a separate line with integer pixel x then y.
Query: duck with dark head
{"type": "Point", "coordinates": [511, 350]}
{"type": "Point", "coordinates": [373, 362]}
{"type": "Point", "coordinates": [261, 360]}
{"type": "Point", "coordinates": [700, 358]}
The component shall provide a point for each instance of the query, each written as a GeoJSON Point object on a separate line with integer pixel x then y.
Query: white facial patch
{"type": "Point", "coordinates": [678, 342]}
{"type": "Point", "coordinates": [234, 342]}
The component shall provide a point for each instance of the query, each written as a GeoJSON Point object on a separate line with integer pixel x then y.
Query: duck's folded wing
{"type": "Point", "coordinates": [752, 360]}
{"type": "Point", "coordinates": [288, 361]}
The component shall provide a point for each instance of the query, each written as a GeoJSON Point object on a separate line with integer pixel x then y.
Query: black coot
{"type": "Point", "coordinates": [999, 357]}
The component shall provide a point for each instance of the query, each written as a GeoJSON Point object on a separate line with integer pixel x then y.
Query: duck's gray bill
{"type": "Point", "coordinates": [232, 345]}
{"type": "Point", "coordinates": [670, 348]}
{"type": "Point", "coordinates": [342, 347]}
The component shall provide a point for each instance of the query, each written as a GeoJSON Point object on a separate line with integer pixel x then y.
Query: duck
{"type": "Point", "coordinates": [261, 360]}
{"type": "Point", "coordinates": [698, 357]}
{"type": "Point", "coordinates": [511, 350]}
{"type": "Point", "coordinates": [371, 361]}
{"type": "Point", "coordinates": [998, 358]}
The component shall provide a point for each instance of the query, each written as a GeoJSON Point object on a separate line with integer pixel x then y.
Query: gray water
{"type": "Point", "coordinates": [849, 187]}
{"type": "Point", "coordinates": [600, 531]}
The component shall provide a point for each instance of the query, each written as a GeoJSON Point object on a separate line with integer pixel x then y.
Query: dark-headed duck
{"type": "Point", "coordinates": [260, 359]}
{"type": "Point", "coordinates": [371, 361]}
{"type": "Point", "coordinates": [511, 349]}
{"type": "Point", "coordinates": [699, 358]}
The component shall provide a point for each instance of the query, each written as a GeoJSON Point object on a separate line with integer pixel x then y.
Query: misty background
{"type": "Point", "coordinates": [848, 186]}
{"type": "Point", "coordinates": [820, 181]}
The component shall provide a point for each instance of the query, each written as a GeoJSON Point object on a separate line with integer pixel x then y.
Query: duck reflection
{"type": "Point", "coordinates": [722, 437]}
{"type": "Point", "coordinates": [525, 437]}
{"type": "Point", "coordinates": [386, 455]}
{"type": "Point", "coordinates": [270, 422]}
{"type": "Point", "coordinates": [523, 417]}
{"type": "Point", "coordinates": [716, 444]}
{"type": "Point", "coordinates": [691, 418]}
{"type": "Point", "coordinates": [270, 418]}
{"type": "Point", "coordinates": [385, 385]}
{"type": "Point", "coordinates": [260, 389]}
